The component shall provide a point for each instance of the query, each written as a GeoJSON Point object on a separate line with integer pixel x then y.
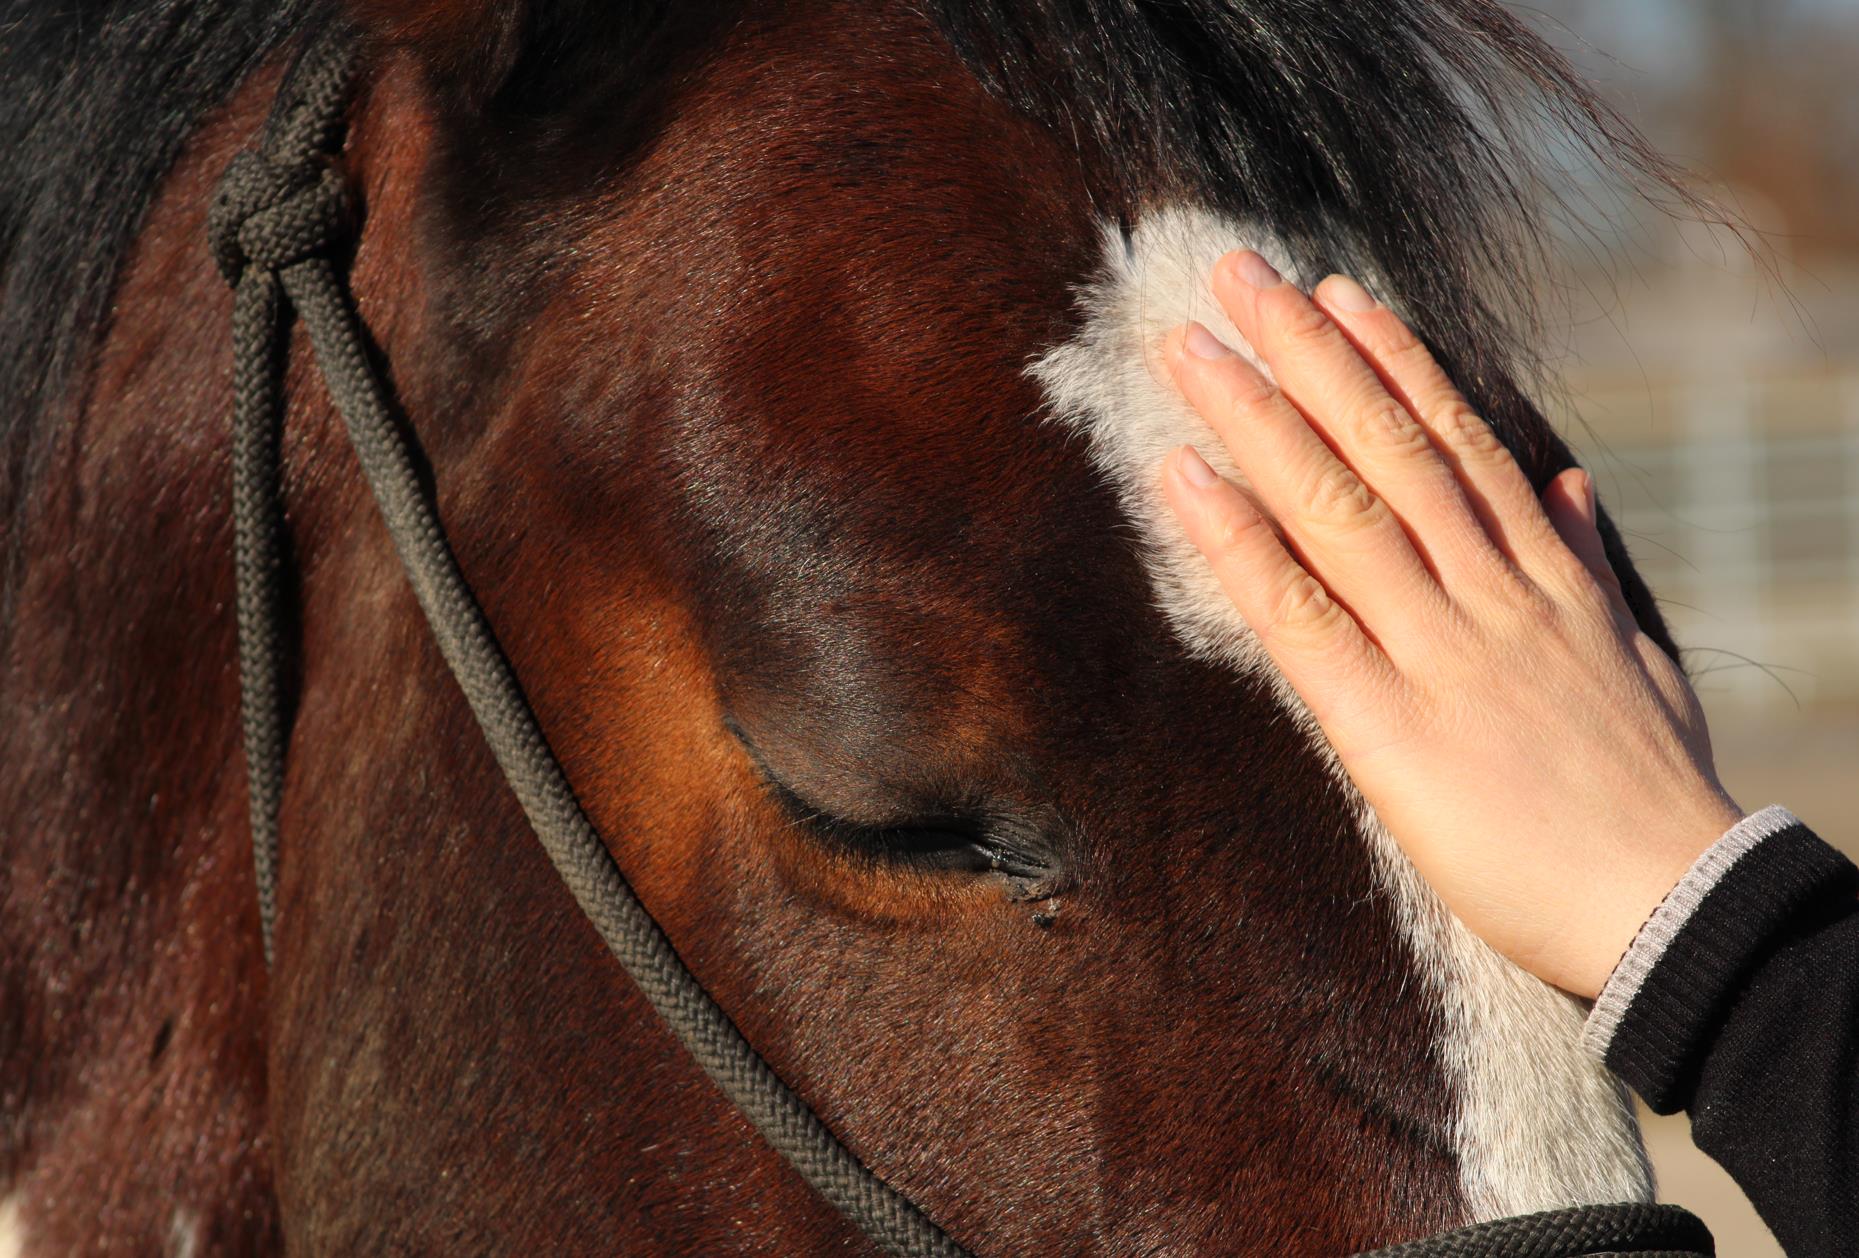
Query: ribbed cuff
{"type": "Point", "coordinates": [1675, 983]}
{"type": "Point", "coordinates": [1669, 918]}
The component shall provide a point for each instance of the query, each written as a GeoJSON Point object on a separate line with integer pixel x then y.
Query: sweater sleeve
{"type": "Point", "coordinates": [1739, 1003]}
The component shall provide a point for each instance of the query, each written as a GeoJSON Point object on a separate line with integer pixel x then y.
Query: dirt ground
{"type": "Point", "coordinates": [1810, 762]}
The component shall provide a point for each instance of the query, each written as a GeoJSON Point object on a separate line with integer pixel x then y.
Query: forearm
{"type": "Point", "coordinates": [1739, 1002]}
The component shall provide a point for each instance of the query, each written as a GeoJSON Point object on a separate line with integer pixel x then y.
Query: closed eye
{"type": "Point", "coordinates": [974, 841]}
{"type": "Point", "coordinates": [937, 840]}
{"type": "Point", "coordinates": [944, 843]}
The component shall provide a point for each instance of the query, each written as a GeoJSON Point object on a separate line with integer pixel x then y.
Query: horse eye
{"type": "Point", "coordinates": [942, 840]}
{"type": "Point", "coordinates": [939, 843]}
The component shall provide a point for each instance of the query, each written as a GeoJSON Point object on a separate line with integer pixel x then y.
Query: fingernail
{"type": "Point", "coordinates": [1345, 294]}
{"type": "Point", "coordinates": [1194, 469]}
{"type": "Point", "coordinates": [1587, 488]}
{"type": "Point", "coordinates": [1256, 271]}
{"type": "Point", "coordinates": [1204, 344]}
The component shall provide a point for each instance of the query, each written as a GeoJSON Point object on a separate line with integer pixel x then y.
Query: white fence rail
{"type": "Point", "coordinates": [1739, 495]}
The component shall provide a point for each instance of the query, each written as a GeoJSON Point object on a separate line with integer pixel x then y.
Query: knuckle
{"type": "Point", "coordinates": [1594, 591]}
{"type": "Point", "coordinates": [1536, 625]}
{"type": "Point", "coordinates": [1528, 610]}
{"type": "Point", "coordinates": [1402, 349]}
{"type": "Point", "coordinates": [1385, 427]}
{"type": "Point", "coordinates": [1299, 323]}
{"type": "Point", "coordinates": [1539, 610]}
{"type": "Point", "coordinates": [1564, 569]}
{"type": "Point", "coordinates": [1568, 568]}
{"type": "Point", "coordinates": [1303, 604]}
{"type": "Point", "coordinates": [1469, 434]}
{"type": "Point", "coordinates": [1252, 391]}
{"type": "Point", "coordinates": [1237, 531]}
{"type": "Point", "coordinates": [1338, 497]}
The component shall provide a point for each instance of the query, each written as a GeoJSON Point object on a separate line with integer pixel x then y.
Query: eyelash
{"type": "Point", "coordinates": [950, 842]}
{"type": "Point", "coordinates": [939, 843]}
{"type": "Point", "coordinates": [906, 845]}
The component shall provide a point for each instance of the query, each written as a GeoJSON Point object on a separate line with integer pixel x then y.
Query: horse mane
{"type": "Point", "coordinates": [99, 100]}
{"type": "Point", "coordinates": [1405, 140]}
{"type": "Point", "coordinates": [1395, 140]}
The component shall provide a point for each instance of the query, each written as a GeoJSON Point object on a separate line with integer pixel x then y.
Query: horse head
{"type": "Point", "coordinates": [786, 377]}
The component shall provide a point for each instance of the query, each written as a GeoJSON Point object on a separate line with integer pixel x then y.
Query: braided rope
{"type": "Point", "coordinates": [277, 216]}
{"type": "Point", "coordinates": [1638, 1228]}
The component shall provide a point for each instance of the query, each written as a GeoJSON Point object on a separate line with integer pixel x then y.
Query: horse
{"type": "Point", "coordinates": [785, 378]}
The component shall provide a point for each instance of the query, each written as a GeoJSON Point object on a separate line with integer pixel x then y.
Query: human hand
{"type": "Point", "coordinates": [1465, 647]}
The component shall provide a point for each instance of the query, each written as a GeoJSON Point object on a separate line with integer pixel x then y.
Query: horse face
{"type": "Point", "coordinates": [818, 395]}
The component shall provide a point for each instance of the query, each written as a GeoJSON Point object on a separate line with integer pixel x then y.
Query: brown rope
{"type": "Point", "coordinates": [279, 215]}
{"type": "Point", "coordinates": [276, 217]}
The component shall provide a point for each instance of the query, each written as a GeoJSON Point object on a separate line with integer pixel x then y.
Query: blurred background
{"type": "Point", "coordinates": [1715, 397]}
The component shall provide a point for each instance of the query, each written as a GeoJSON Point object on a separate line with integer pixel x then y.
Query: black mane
{"type": "Point", "coordinates": [1400, 138]}
{"type": "Point", "coordinates": [1388, 136]}
{"type": "Point", "coordinates": [96, 100]}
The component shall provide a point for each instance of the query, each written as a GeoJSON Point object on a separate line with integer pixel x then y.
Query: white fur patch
{"type": "Point", "coordinates": [183, 1234]}
{"type": "Point", "coordinates": [12, 1230]}
{"type": "Point", "coordinates": [1538, 1123]}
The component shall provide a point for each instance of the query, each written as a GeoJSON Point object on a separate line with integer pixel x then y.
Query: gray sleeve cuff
{"type": "Point", "coordinates": [1671, 915]}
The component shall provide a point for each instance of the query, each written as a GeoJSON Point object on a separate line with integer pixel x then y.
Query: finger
{"type": "Point", "coordinates": [1317, 645]}
{"type": "Point", "coordinates": [1499, 492]}
{"type": "Point", "coordinates": [1343, 398]}
{"type": "Point", "coordinates": [1569, 502]}
{"type": "Point", "coordinates": [1343, 533]}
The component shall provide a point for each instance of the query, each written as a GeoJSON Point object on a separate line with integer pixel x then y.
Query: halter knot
{"type": "Point", "coordinates": [270, 214]}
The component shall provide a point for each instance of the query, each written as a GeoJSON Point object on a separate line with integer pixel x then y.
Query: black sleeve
{"type": "Point", "coordinates": [1746, 1015]}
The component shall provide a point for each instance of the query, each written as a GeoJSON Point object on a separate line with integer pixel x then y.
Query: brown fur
{"type": "Point", "coordinates": [756, 450]}
{"type": "Point", "coordinates": [137, 1083]}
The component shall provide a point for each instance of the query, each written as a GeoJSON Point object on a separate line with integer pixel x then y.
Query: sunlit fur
{"type": "Point", "coordinates": [1540, 1123]}
{"type": "Point", "coordinates": [715, 321]}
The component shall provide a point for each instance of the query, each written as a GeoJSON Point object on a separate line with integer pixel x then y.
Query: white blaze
{"type": "Point", "coordinates": [183, 1233]}
{"type": "Point", "coordinates": [12, 1231]}
{"type": "Point", "coordinates": [1538, 1124]}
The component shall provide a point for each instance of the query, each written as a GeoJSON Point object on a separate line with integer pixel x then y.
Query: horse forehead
{"type": "Point", "coordinates": [1106, 382]}
{"type": "Point", "coordinates": [1538, 1123]}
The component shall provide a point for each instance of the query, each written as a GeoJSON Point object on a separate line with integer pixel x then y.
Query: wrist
{"type": "Point", "coordinates": [1665, 1002]}
{"type": "Point", "coordinates": [1628, 898]}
